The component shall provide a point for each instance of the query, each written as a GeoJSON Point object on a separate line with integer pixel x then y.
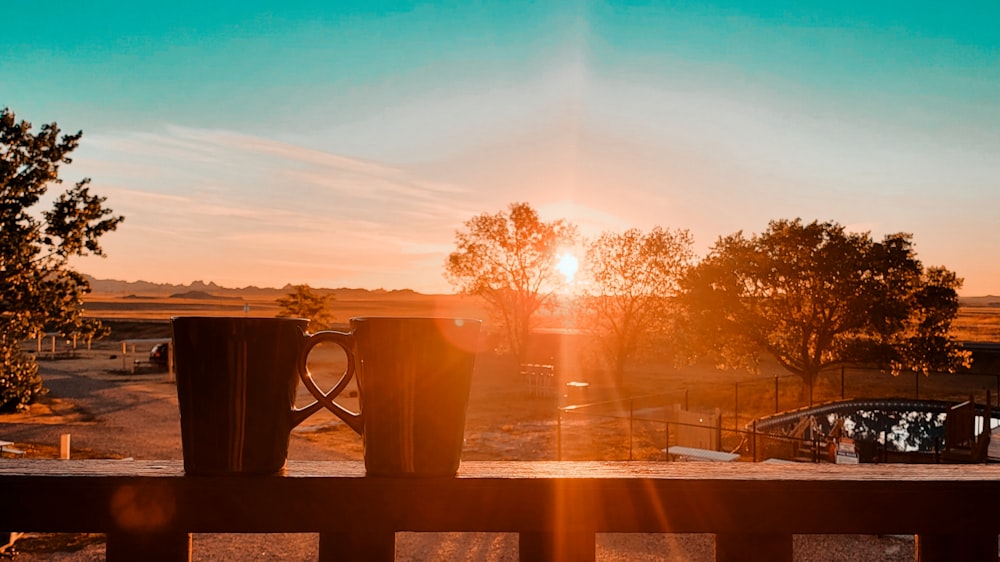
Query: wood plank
{"type": "Point", "coordinates": [94, 496]}
{"type": "Point", "coordinates": [534, 470]}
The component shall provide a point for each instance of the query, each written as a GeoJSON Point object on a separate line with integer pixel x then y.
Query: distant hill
{"type": "Point", "coordinates": [988, 300]}
{"type": "Point", "coordinates": [202, 295]}
{"type": "Point", "coordinates": [200, 289]}
{"type": "Point", "coordinates": [138, 289]}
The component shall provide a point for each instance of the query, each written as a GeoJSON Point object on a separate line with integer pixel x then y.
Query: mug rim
{"type": "Point", "coordinates": [456, 319]}
{"type": "Point", "coordinates": [231, 318]}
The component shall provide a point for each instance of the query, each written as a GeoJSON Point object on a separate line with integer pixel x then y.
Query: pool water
{"type": "Point", "coordinates": [897, 424]}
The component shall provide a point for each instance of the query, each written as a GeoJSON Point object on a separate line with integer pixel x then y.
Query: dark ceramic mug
{"type": "Point", "coordinates": [413, 376]}
{"type": "Point", "coordinates": [236, 383]}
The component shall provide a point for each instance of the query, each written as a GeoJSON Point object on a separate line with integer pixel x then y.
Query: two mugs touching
{"type": "Point", "coordinates": [237, 379]}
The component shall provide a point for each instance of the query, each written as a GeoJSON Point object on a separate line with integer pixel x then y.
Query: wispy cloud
{"type": "Point", "coordinates": [195, 194]}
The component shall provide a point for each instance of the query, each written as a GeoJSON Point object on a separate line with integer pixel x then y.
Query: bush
{"type": "Point", "coordinates": [20, 383]}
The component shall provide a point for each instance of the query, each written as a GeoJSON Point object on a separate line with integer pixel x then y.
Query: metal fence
{"type": "Point", "coordinates": [645, 427]}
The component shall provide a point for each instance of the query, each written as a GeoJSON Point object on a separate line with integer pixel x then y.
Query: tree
{"type": "Point", "coordinates": [509, 259]}
{"type": "Point", "coordinates": [632, 279]}
{"type": "Point", "coordinates": [304, 302]}
{"type": "Point", "coordinates": [814, 296]}
{"type": "Point", "coordinates": [38, 290]}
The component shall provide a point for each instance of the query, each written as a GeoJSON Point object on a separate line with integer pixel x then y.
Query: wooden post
{"type": "Point", "coordinates": [736, 407]}
{"type": "Point", "coordinates": [559, 435]}
{"type": "Point", "coordinates": [377, 545]}
{"type": "Point", "coordinates": [153, 547]}
{"type": "Point", "coordinates": [718, 429]}
{"type": "Point", "coordinates": [666, 439]}
{"type": "Point", "coordinates": [64, 446]}
{"type": "Point", "coordinates": [945, 548]}
{"type": "Point", "coordinates": [776, 409]}
{"type": "Point", "coordinates": [754, 547]}
{"type": "Point", "coordinates": [576, 546]}
{"type": "Point", "coordinates": [631, 417]}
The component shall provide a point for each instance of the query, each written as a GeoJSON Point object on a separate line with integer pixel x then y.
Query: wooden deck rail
{"type": "Point", "coordinates": [148, 508]}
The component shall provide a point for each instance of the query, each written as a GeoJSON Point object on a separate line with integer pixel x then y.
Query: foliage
{"type": "Point", "coordinates": [38, 290]}
{"type": "Point", "coordinates": [632, 279]}
{"type": "Point", "coordinates": [814, 296]}
{"type": "Point", "coordinates": [304, 302]}
{"type": "Point", "coordinates": [509, 259]}
{"type": "Point", "coordinates": [20, 384]}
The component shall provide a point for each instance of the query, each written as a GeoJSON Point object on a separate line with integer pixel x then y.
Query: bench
{"type": "Point", "coordinates": [150, 507]}
{"type": "Point", "coordinates": [540, 379]}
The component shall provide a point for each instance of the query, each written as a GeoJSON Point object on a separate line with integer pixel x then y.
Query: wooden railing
{"type": "Point", "coordinates": [149, 508]}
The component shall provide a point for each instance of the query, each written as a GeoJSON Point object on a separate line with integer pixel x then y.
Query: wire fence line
{"type": "Point", "coordinates": [645, 427]}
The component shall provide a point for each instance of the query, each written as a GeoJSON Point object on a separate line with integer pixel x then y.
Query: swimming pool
{"type": "Point", "coordinates": [899, 425]}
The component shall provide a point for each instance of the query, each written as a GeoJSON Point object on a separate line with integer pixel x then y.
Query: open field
{"type": "Point", "coordinates": [501, 409]}
{"type": "Point", "coordinates": [978, 323]}
{"type": "Point", "coordinates": [347, 305]}
{"type": "Point", "coordinates": [116, 413]}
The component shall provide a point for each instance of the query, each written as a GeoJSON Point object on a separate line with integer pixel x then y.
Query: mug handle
{"type": "Point", "coordinates": [343, 339]}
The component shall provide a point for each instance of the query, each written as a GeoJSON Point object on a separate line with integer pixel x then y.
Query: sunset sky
{"type": "Point", "coordinates": [341, 144]}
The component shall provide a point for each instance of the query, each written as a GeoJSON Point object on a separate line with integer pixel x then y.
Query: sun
{"type": "Point", "coordinates": [568, 265]}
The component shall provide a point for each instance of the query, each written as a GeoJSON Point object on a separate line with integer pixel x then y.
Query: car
{"type": "Point", "coordinates": [160, 354]}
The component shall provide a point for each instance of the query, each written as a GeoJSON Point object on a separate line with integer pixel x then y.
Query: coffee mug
{"type": "Point", "coordinates": [236, 383]}
{"type": "Point", "coordinates": [413, 376]}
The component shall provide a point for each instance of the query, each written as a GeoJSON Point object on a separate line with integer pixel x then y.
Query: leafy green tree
{"type": "Point", "coordinates": [815, 296]}
{"type": "Point", "coordinates": [632, 279]}
{"type": "Point", "coordinates": [509, 259]}
{"type": "Point", "coordinates": [38, 290]}
{"type": "Point", "coordinates": [304, 302]}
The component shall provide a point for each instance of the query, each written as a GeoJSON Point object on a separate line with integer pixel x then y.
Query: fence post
{"type": "Point", "coordinates": [666, 440]}
{"type": "Point", "coordinates": [776, 409]}
{"type": "Point", "coordinates": [736, 407]}
{"type": "Point", "coordinates": [631, 416]}
{"type": "Point", "coordinates": [718, 429]}
{"type": "Point", "coordinates": [559, 435]}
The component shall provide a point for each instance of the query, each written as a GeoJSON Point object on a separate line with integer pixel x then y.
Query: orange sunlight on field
{"type": "Point", "coordinates": [348, 304]}
{"type": "Point", "coordinates": [977, 324]}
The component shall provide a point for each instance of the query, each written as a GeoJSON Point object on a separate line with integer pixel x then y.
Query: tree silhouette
{"type": "Point", "coordinates": [304, 302]}
{"type": "Point", "coordinates": [814, 296]}
{"type": "Point", "coordinates": [632, 278]}
{"type": "Point", "coordinates": [38, 290]}
{"type": "Point", "coordinates": [509, 259]}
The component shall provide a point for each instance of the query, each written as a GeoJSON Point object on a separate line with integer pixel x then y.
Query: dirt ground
{"type": "Point", "coordinates": [111, 412]}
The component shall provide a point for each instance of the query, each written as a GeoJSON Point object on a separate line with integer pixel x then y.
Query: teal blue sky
{"type": "Point", "coordinates": [342, 144]}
